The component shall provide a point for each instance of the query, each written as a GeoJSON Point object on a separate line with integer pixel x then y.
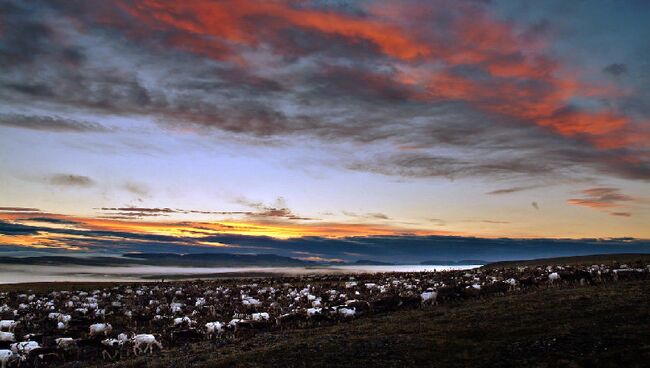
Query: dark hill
{"type": "Point", "coordinates": [367, 262]}
{"type": "Point", "coordinates": [163, 259]}
{"type": "Point", "coordinates": [216, 259]}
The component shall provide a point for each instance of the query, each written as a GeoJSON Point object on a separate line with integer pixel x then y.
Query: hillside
{"type": "Point", "coordinates": [576, 260]}
{"type": "Point", "coordinates": [604, 326]}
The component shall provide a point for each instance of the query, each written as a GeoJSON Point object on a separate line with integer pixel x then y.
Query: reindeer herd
{"type": "Point", "coordinates": [124, 321]}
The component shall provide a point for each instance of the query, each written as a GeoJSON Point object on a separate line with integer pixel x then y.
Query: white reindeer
{"type": "Point", "coordinates": [145, 339]}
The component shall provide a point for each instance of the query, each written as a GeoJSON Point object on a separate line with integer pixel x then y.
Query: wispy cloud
{"type": "Point", "coordinates": [260, 211]}
{"type": "Point", "coordinates": [496, 222]}
{"type": "Point", "coordinates": [370, 215]}
{"type": "Point", "coordinates": [71, 180]}
{"type": "Point", "coordinates": [136, 212]}
{"type": "Point", "coordinates": [604, 198]}
{"type": "Point", "coordinates": [277, 210]}
{"type": "Point", "coordinates": [623, 214]}
{"type": "Point", "coordinates": [510, 190]}
{"type": "Point", "coordinates": [52, 220]}
{"type": "Point", "coordinates": [601, 198]}
{"type": "Point", "coordinates": [19, 209]}
{"type": "Point", "coordinates": [137, 188]}
{"type": "Point", "coordinates": [49, 123]}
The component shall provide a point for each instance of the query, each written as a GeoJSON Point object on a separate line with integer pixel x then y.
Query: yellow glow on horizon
{"type": "Point", "coordinates": [196, 230]}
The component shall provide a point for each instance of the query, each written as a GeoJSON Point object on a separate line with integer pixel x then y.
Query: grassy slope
{"type": "Point", "coordinates": [577, 260]}
{"type": "Point", "coordinates": [605, 326]}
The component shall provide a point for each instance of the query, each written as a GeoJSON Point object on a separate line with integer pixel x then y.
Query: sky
{"type": "Point", "coordinates": [325, 119]}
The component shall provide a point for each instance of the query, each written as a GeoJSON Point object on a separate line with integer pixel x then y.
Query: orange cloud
{"type": "Point", "coordinates": [603, 198]}
{"type": "Point", "coordinates": [210, 26]}
{"type": "Point", "coordinates": [521, 81]}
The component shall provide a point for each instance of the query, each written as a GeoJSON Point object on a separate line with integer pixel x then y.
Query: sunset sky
{"type": "Point", "coordinates": [325, 119]}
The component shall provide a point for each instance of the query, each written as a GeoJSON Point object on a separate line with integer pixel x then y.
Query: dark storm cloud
{"type": "Point", "coordinates": [49, 123]}
{"type": "Point", "coordinates": [336, 81]}
{"type": "Point", "coordinates": [71, 180]}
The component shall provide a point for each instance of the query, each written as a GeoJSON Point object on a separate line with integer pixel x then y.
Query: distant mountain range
{"type": "Point", "coordinates": [463, 262]}
{"type": "Point", "coordinates": [216, 260]}
{"type": "Point", "coordinates": [371, 250]}
{"type": "Point", "coordinates": [387, 249]}
{"type": "Point", "coordinates": [201, 260]}
{"type": "Point", "coordinates": [164, 259]}
{"type": "Point", "coordinates": [367, 262]}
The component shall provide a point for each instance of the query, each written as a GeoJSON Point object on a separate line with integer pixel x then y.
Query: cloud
{"type": "Point", "coordinates": [437, 221]}
{"type": "Point", "coordinates": [19, 209]}
{"type": "Point", "coordinates": [424, 165]}
{"type": "Point", "coordinates": [601, 198]}
{"type": "Point", "coordinates": [277, 210]}
{"type": "Point", "coordinates": [606, 199]}
{"type": "Point", "coordinates": [623, 214]}
{"type": "Point", "coordinates": [615, 69]}
{"type": "Point", "coordinates": [49, 123]}
{"type": "Point", "coordinates": [433, 75]}
{"type": "Point", "coordinates": [510, 190]}
{"type": "Point", "coordinates": [140, 209]}
{"type": "Point", "coordinates": [372, 215]}
{"type": "Point", "coordinates": [137, 188]}
{"type": "Point", "coordinates": [71, 180]}
{"type": "Point", "coordinates": [7, 228]}
{"type": "Point", "coordinates": [30, 38]}
{"type": "Point", "coordinates": [52, 220]}
{"type": "Point", "coordinates": [535, 205]}
{"type": "Point", "coordinates": [137, 212]}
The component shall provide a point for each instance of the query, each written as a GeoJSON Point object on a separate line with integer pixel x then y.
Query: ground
{"type": "Point", "coordinates": [598, 326]}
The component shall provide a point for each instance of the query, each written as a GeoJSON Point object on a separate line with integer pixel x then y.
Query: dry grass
{"type": "Point", "coordinates": [603, 326]}
{"type": "Point", "coordinates": [578, 260]}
